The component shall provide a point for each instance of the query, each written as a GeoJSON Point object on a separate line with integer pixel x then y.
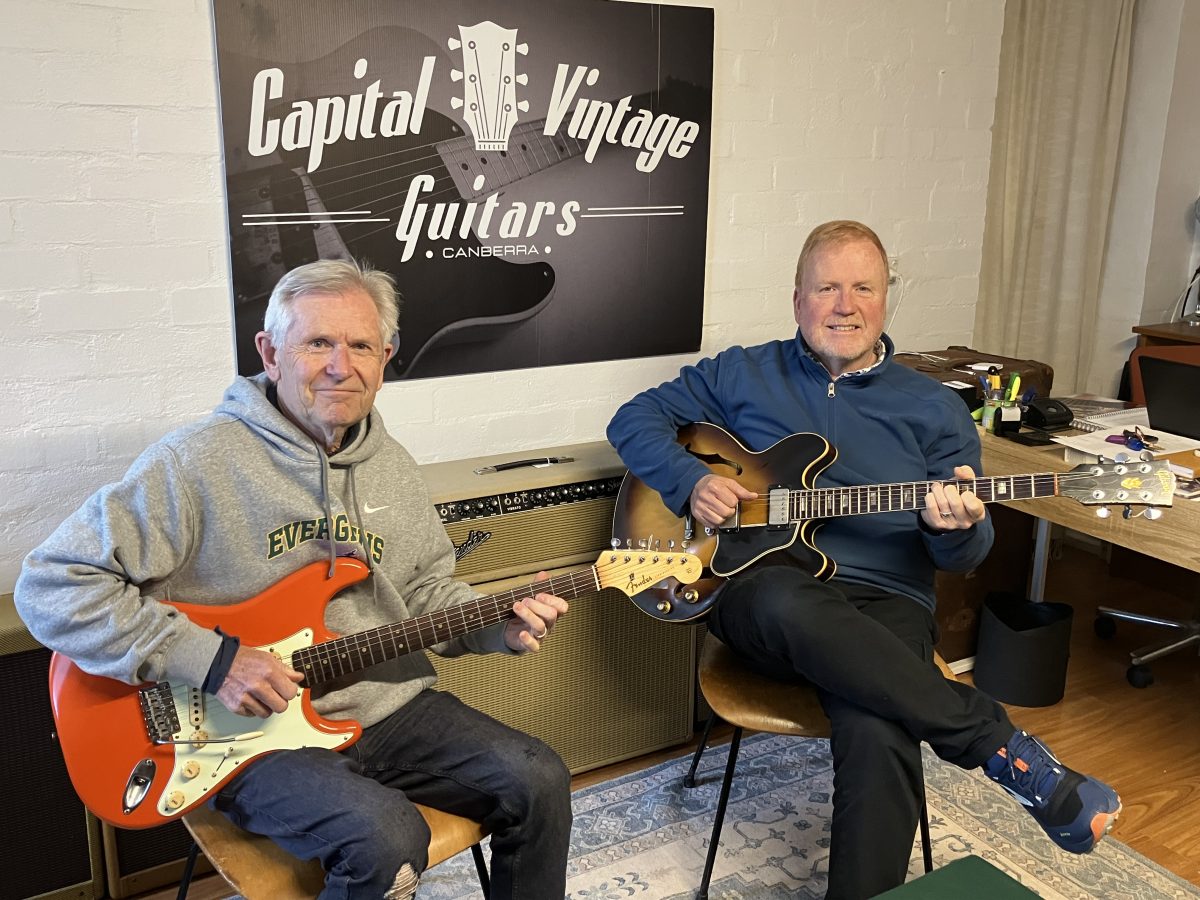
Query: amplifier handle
{"type": "Point", "coordinates": [537, 462]}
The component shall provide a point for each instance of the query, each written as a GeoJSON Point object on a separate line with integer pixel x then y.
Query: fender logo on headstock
{"type": "Point", "coordinates": [489, 100]}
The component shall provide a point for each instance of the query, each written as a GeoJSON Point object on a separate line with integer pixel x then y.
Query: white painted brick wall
{"type": "Point", "coordinates": [115, 311]}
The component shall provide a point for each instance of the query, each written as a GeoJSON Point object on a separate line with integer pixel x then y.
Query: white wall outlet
{"type": "Point", "coordinates": [893, 269]}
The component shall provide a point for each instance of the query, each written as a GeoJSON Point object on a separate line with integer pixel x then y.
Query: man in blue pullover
{"type": "Point", "coordinates": [864, 638]}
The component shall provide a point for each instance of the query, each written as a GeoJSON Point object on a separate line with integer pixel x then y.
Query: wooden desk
{"type": "Point", "coordinates": [1167, 333]}
{"type": "Point", "coordinates": [1175, 538]}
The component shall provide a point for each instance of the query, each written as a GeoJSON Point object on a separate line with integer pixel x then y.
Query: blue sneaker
{"type": "Point", "coordinates": [1075, 810]}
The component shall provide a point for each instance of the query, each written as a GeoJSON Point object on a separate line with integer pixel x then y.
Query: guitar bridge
{"type": "Point", "coordinates": [158, 712]}
{"type": "Point", "coordinates": [777, 508]}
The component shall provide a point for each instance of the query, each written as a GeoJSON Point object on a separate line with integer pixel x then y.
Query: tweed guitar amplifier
{"type": "Point", "coordinates": [612, 683]}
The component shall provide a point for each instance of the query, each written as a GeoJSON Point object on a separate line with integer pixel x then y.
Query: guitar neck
{"type": "Point", "coordinates": [824, 503]}
{"type": "Point", "coordinates": [529, 152]}
{"type": "Point", "coordinates": [345, 655]}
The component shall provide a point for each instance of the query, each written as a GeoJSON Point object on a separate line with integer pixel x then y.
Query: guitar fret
{"type": "Point", "coordinates": [341, 656]}
{"type": "Point", "coordinates": [821, 503]}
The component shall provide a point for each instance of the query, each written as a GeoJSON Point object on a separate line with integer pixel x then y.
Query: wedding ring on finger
{"type": "Point", "coordinates": [542, 636]}
{"type": "Point", "coordinates": [948, 515]}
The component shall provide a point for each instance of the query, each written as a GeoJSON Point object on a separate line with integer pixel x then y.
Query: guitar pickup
{"type": "Point", "coordinates": [777, 507]}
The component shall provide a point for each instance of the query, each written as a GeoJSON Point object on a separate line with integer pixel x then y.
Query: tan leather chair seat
{"type": "Point", "coordinates": [742, 697]}
{"type": "Point", "coordinates": [259, 870]}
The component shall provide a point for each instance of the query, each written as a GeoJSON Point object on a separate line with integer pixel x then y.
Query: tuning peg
{"type": "Point", "coordinates": [523, 49]}
{"type": "Point", "coordinates": [615, 543]}
{"type": "Point", "coordinates": [523, 105]}
{"type": "Point", "coordinates": [522, 78]}
{"type": "Point", "coordinates": [456, 102]}
{"type": "Point", "coordinates": [1127, 512]}
{"type": "Point", "coordinates": [455, 75]}
{"type": "Point", "coordinates": [454, 43]}
{"type": "Point", "coordinates": [1153, 513]}
{"type": "Point", "coordinates": [671, 544]}
{"type": "Point", "coordinates": [1103, 512]}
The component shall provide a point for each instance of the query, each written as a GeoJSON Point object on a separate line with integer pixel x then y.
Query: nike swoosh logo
{"type": "Point", "coordinates": [367, 507]}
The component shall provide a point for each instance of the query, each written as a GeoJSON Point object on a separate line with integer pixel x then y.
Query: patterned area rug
{"type": "Point", "coordinates": [645, 836]}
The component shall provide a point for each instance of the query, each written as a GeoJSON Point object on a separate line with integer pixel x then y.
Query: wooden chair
{"type": "Point", "coordinates": [260, 870]}
{"type": "Point", "coordinates": [746, 699]}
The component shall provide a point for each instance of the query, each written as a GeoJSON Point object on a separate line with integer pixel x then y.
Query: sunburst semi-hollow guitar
{"type": "Point", "coordinates": [142, 755]}
{"type": "Point", "coordinates": [789, 510]}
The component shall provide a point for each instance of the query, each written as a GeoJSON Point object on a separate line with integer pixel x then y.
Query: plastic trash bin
{"type": "Point", "coordinates": [1023, 650]}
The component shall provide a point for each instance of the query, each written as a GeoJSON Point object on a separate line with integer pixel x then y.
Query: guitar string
{"type": "Point", "coordinates": [452, 145]}
{"type": "Point", "coordinates": [419, 633]}
{"type": "Point", "coordinates": [414, 148]}
{"type": "Point", "coordinates": [328, 654]}
{"type": "Point", "coordinates": [827, 496]}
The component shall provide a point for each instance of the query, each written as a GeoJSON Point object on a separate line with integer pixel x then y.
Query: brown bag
{"type": "Point", "coordinates": [953, 364]}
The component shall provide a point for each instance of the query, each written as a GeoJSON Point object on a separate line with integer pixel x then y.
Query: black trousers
{"type": "Point", "coordinates": [869, 653]}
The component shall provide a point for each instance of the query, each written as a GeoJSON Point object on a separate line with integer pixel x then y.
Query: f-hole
{"type": "Point", "coordinates": [716, 459]}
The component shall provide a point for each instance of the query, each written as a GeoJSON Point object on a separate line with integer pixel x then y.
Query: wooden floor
{"type": "Point", "coordinates": [1146, 742]}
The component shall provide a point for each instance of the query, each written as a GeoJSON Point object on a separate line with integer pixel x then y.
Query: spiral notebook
{"type": "Point", "coordinates": [1114, 418]}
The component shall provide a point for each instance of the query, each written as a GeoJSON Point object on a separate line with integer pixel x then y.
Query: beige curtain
{"type": "Point", "coordinates": [1064, 68]}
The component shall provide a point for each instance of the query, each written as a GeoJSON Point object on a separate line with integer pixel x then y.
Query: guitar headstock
{"type": "Point", "coordinates": [489, 100]}
{"type": "Point", "coordinates": [633, 570]}
{"type": "Point", "coordinates": [1134, 483]}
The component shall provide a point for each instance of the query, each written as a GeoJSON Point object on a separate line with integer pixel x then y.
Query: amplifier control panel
{"type": "Point", "coordinates": [521, 501]}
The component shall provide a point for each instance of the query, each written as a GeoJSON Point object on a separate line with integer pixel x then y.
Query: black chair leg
{"type": "Point", "coordinates": [926, 846]}
{"type": "Point", "coordinates": [485, 883]}
{"type": "Point", "coordinates": [702, 894]}
{"type": "Point", "coordinates": [185, 881]}
{"type": "Point", "coordinates": [689, 780]}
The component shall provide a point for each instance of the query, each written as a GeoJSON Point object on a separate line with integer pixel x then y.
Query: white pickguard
{"type": "Point", "coordinates": [288, 730]}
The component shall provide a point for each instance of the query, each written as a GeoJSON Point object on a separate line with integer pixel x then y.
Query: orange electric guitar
{"type": "Point", "coordinates": [142, 755]}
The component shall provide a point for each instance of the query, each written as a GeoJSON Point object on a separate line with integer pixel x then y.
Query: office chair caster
{"type": "Point", "coordinates": [1105, 627]}
{"type": "Point", "coordinates": [1139, 676]}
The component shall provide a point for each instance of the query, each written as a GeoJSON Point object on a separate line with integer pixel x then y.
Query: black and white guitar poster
{"type": "Point", "coordinates": [534, 173]}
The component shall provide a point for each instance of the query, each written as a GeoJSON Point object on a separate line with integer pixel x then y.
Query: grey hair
{"type": "Point", "coordinates": [332, 276]}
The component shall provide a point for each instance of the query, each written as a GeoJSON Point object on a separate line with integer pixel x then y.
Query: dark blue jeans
{"type": "Point", "coordinates": [869, 653]}
{"type": "Point", "coordinates": [354, 811]}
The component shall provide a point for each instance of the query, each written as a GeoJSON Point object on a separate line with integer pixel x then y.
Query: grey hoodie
{"type": "Point", "coordinates": [218, 511]}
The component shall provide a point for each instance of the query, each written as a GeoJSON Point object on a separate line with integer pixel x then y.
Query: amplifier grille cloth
{"type": "Point", "coordinates": [612, 683]}
{"type": "Point", "coordinates": [46, 846]}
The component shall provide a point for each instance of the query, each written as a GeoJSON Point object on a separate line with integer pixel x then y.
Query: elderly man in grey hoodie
{"type": "Point", "coordinates": [295, 466]}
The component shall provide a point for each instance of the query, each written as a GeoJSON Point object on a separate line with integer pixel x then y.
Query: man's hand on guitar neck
{"type": "Point", "coordinates": [715, 498]}
{"type": "Point", "coordinates": [533, 619]}
{"type": "Point", "coordinates": [258, 684]}
{"type": "Point", "coordinates": [948, 510]}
